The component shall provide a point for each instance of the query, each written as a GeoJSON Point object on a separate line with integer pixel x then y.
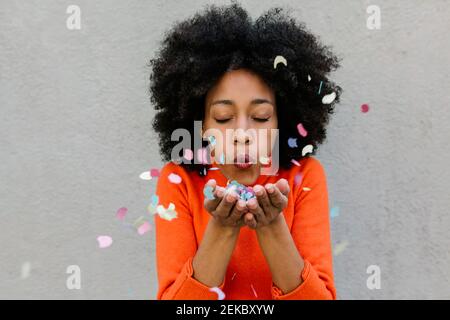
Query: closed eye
{"type": "Point", "coordinates": [261, 119]}
{"type": "Point", "coordinates": [221, 120]}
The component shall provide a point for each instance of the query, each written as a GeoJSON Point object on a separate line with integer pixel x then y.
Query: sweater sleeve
{"type": "Point", "coordinates": [311, 233]}
{"type": "Point", "coordinates": [176, 243]}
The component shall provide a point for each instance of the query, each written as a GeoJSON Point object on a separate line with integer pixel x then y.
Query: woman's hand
{"type": "Point", "coordinates": [226, 207]}
{"type": "Point", "coordinates": [269, 203]}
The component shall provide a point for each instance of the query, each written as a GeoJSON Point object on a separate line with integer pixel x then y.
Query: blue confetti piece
{"type": "Point", "coordinates": [207, 191]}
{"type": "Point", "coordinates": [292, 142]}
{"type": "Point", "coordinates": [334, 212]}
{"type": "Point", "coordinates": [320, 87]}
{"type": "Point", "coordinates": [155, 200]}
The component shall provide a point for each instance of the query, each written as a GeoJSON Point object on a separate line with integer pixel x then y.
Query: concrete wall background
{"type": "Point", "coordinates": [75, 134]}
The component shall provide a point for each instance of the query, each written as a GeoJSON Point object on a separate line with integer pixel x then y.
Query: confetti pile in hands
{"type": "Point", "coordinates": [244, 192]}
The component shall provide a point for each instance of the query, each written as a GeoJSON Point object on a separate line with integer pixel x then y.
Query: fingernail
{"type": "Point", "coordinates": [230, 197]}
{"type": "Point", "coordinates": [270, 188]}
{"type": "Point", "coordinates": [258, 190]}
{"type": "Point", "coordinates": [220, 193]}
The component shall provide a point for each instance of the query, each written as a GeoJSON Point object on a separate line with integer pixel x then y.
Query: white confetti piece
{"type": "Point", "coordinates": [340, 247]}
{"type": "Point", "coordinates": [104, 241]}
{"type": "Point", "coordinates": [174, 178]}
{"type": "Point", "coordinates": [295, 162]}
{"type": "Point", "coordinates": [145, 175]}
{"type": "Point", "coordinates": [264, 160]}
{"type": "Point", "coordinates": [220, 293]}
{"type": "Point", "coordinates": [279, 59]}
{"type": "Point", "coordinates": [306, 189]}
{"type": "Point", "coordinates": [307, 149]}
{"type": "Point", "coordinates": [309, 78]}
{"type": "Point", "coordinates": [329, 98]}
{"type": "Point", "coordinates": [25, 270]}
{"type": "Point", "coordinates": [167, 214]}
{"type": "Point", "coordinates": [213, 168]}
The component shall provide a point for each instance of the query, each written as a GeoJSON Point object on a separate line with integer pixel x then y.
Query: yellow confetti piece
{"type": "Point", "coordinates": [338, 248]}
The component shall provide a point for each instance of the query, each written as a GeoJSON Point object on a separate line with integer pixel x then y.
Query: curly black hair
{"type": "Point", "coordinates": [196, 52]}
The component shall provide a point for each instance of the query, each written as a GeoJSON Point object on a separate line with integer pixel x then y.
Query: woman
{"type": "Point", "coordinates": [230, 73]}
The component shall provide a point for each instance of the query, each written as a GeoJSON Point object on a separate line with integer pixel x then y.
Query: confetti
{"type": "Point", "coordinates": [212, 140]}
{"type": "Point", "coordinates": [320, 87]}
{"type": "Point", "coordinates": [307, 149]}
{"type": "Point", "coordinates": [334, 212]}
{"type": "Point", "coordinates": [202, 155]}
{"type": "Point", "coordinates": [139, 221]}
{"type": "Point", "coordinates": [213, 168]}
{"type": "Point", "coordinates": [207, 191]}
{"type": "Point", "coordinates": [309, 78]}
{"type": "Point", "coordinates": [340, 247]}
{"type": "Point", "coordinates": [264, 160]}
{"type": "Point", "coordinates": [298, 179]}
{"type": "Point", "coordinates": [365, 108]}
{"type": "Point", "coordinates": [104, 241]}
{"type": "Point", "coordinates": [25, 271]}
{"type": "Point", "coordinates": [154, 173]}
{"type": "Point", "coordinates": [145, 227]}
{"type": "Point", "coordinates": [174, 178]}
{"type": "Point", "coordinates": [244, 193]}
{"type": "Point", "coordinates": [222, 159]}
{"type": "Point", "coordinates": [167, 214]}
{"type": "Point", "coordinates": [306, 189]}
{"type": "Point", "coordinates": [121, 213]}
{"type": "Point", "coordinates": [155, 199]}
{"type": "Point", "coordinates": [292, 142]}
{"type": "Point", "coordinates": [254, 292]}
{"type": "Point", "coordinates": [279, 59]}
{"type": "Point", "coordinates": [188, 154]}
{"type": "Point", "coordinates": [145, 175]}
{"type": "Point", "coordinates": [295, 162]}
{"type": "Point", "coordinates": [301, 130]}
{"type": "Point", "coordinates": [329, 98]}
{"type": "Point", "coordinates": [232, 278]}
{"type": "Point", "coordinates": [220, 293]}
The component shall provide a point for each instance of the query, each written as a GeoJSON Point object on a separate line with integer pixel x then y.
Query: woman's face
{"type": "Point", "coordinates": [240, 100]}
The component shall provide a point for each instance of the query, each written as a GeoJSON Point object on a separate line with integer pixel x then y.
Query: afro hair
{"type": "Point", "coordinates": [195, 53]}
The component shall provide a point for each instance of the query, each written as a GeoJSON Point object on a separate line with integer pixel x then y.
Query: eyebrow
{"type": "Point", "coordinates": [230, 102]}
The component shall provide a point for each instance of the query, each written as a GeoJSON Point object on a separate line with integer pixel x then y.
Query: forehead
{"type": "Point", "coordinates": [240, 84]}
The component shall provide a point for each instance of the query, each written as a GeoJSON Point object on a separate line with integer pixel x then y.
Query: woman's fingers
{"type": "Point", "coordinates": [218, 193]}
{"type": "Point", "coordinates": [277, 199]}
{"type": "Point", "coordinates": [256, 210]}
{"type": "Point", "coordinates": [249, 220]}
{"type": "Point", "coordinates": [238, 210]}
{"type": "Point", "coordinates": [224, 208]}
{"type": "Point", "coordinates": [263, 198]}
{"type": "Point", "coordinates": [283, 186]}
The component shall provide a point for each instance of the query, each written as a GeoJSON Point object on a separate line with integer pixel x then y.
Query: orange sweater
{"type": "Point", "coordinates": [248, 275]}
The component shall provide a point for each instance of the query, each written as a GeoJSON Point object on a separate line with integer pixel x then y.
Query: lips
{"type": "Point", "coordinates": [243, 161]}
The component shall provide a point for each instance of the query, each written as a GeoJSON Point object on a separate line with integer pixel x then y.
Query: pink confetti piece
{"type": "Point", "coordinates": [121, 213]}
{"type": "Point", "coordinates": [254, 291]}
{"type": "Point", "coordinates": [188, 154]}
{"type": "Point", "coordinates": [145, 227]}
{"type": "Point", "coordinates": [220, 293]}
{"type": "Point", "coordinates": [301, 130]}
{"type": "Point", "coordinates": [104, 241]}
{"type": "Point", "coordinates": [298, 179]}
{"type": "Point", "coordinates": [365, 108]}
{"type": "Point", "coordinates": [202, 155]}
{"type": "Point", "coordinates": [154, 173]}
{"type": "Point", "coordinates": [232, 278]}
{"type": "Point", "coordinates": [174, 178]}
{"type": "Point", "coordinates": [295, 162]}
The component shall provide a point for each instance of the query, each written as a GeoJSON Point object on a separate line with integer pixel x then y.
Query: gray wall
{"type": "Point", "coordinates": [75, 134]}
